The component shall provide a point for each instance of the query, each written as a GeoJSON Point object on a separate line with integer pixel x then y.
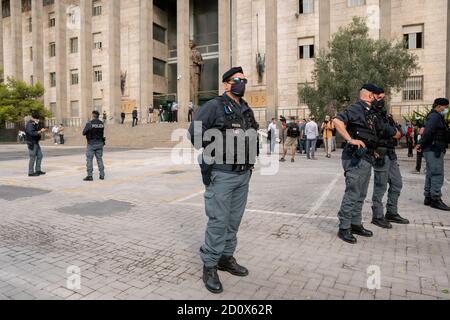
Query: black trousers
{"type": "Point", "coordinates": [419, 161]}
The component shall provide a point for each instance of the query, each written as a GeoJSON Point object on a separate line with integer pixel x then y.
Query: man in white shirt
{"type": "Point", "coordinates": [175, 112]}
{"type": "Point", "coordinates": [273, 135]}
{"type": "Point", "coordinates": [312, 133]}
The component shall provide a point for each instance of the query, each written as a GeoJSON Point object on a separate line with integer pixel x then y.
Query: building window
{"type": "Point", "coordinates": [6, 9]}
{"type": "Point", "coordinates": [75, 109]}
{"type": "Point", "coordinates": [355, 3]}
{"type": "Point", "coordinates": [52, 49]}
{"type": "Point", "coordinates": [161, 4]}
{"type": "Point", "coordinates": [96, 9]}
{"type": "Point", "coordinates": [413, 89]}
{"type": "Point", "coordinates": [53, 108]}
{"type": "Point", "coordinates": [98, 105]}
{"type": "Point", "coordinates": [97, 40]}
{"type": "Point", "coordinates": [53, 79]}
{"type": "Point", "coordinates": [31, 53]}
{"type": "Point", "coordinates": [26, 5]}
{"type": "Point", "coordinates": [51, 20]}
{"type": "Point", "coordinates": [159, 33]}
{"type": "Point", "coordinates": [74, 77]}
{"type": "Point", "coordinates": [413, 37]}
{"type": "Point", "coordinates": [30, 24]}
{"type": "Point", "coordinates": [306, 6]}
{"type": "Point", "coordinates": [98, 75]}
{"type": "Point", "coordinates": [48, 2]}
{"type": "Point", "coordinates": [74, 45]}
{"type": "Point", "coordinates": [32, 80]}
{"type": "Point", "coordinates": [306, 48]}
{"type": "Point", "coordinates": [159, 67]}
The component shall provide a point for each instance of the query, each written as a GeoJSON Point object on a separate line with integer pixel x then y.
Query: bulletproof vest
{"type": "Point", "coordinates": [97, 131]}
{"type": "Point", "coordinates": [385, 121]}
{"type": "Point", "coordinates": [441, 136]}
{"type": "Point", "coordinates": [368, 133]}
{"type": "Point", "coordinates": [236, 126]}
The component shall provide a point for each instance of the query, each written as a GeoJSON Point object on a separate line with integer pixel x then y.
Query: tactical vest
{"type": "Point", "coordinates": [97, 131]}
{"type": "Point", "coordinates": [386, 141]}
{"type": "Point", "coordinates": [368, 134]}
{"type": "Point", "coordinates": [236, 126]}
{"type": "Point", "coordinates": [442, 135]}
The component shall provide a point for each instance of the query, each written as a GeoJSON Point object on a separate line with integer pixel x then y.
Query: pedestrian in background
{"type": "Point", "coordinates": [312, 133]}
{"type": "Point", "coordinates": [61, 133]}
{"type": "Point", "coordinates": [327, 133]}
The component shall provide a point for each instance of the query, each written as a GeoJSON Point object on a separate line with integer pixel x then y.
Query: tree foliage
{"type": "Point", "coordinates": [18, 100]}
{"type": "Point", "coordinates": [352, 59]}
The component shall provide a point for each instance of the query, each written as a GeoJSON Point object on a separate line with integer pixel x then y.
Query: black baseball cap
{"type": "Point", "coordinates": [441, 102]}
{"type": "Point", "coordinates": [227, 75]}
{"type": "Point", "coordinates": [371, 88]}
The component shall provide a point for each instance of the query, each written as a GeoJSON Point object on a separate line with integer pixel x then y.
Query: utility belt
{"type": "Point", "coordinates": [233, 168]}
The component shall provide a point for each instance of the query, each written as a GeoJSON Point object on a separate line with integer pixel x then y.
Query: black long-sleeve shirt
{"type": "Point", "coordinates": [32, 132]}
{"type": "Point", "coordinates": [435, 123]}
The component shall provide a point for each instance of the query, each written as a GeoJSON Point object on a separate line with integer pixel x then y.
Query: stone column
{"type": "Point", "coordinates": [86, 70]}
{"type": "Point", "coordinates": [114, 59]}
{"type": "Point", "coordinates": [146, 57]}
{"type": "Point", "coordinates": [324, 23]}
{"type": "Point", "coordinates": [183, 59]}
{"type": "Point", "coordinates": [385, 19]}
{"type": "Point", "coordinates": [272, 58]}
{"type": "Point", "coordinates": [2, 66]}
{"type": "Point", "coordinates": [224, 38]}
{"type": "Point", "coordinates": [62, 107]}
{"type": "Point", "coordinates": [16, 39]}
{"type": "Point", "coordinates": [448, 49]}
{"type": "Point", "coordinates": [38, 41]}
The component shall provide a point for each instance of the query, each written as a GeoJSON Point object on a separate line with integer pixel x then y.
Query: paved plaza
{"type": "Point", "coordinates": [137, 235]}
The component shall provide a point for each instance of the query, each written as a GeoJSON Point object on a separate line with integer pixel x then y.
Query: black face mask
{"type": "Point", "coordinates": [238, 89]}
{"type": "Point", "coordinates": [379, 105]}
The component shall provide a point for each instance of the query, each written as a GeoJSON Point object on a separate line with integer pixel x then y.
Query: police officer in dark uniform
{"type": "Point", "coordinates": [220, 127]}
{"type": "Point", "coordinates": [357, 125]}
{"type": "Point", "coordinates": [94, 133]}
{"type": "Point", "coordinates": [34, 134]}
{"type": "Point", "coordinates": [434, 144]}
{"type": "Point", "coordinates": [386, 168]}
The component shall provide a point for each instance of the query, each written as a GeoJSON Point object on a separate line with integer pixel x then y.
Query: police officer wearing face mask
{"type": "Point", "coordinates": [434, 144]}
{"type": "Point", "coordinates": [386, 168]}
{"type": "Point", "coordinates": [220, 127]}
{"type": "Point", "coordinates": [357, 125]}
{"type": "Point", "coordinates": [94, 133]}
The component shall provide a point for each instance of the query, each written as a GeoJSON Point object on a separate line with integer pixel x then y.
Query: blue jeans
{"type": "Point", "coordinates": [35, 152]}
{"type": "Point", "coordinates": [311, 148]}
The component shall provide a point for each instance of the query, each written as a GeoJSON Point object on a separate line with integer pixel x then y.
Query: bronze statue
{"type": "Point", "coordinates": [196, 69]}
{"type": "Point", "coordinates": [123, 81]}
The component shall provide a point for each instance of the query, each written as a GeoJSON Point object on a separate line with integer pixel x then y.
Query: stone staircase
{"type": "Point", "coordinates": [144, 136]}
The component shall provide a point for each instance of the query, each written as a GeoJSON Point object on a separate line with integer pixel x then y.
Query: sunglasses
{"type": "Point", "coordinates": [238, 80]}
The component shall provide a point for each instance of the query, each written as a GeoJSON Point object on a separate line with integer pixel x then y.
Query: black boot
{"type": "Point", "coordinates": [211, 280]}
{"type": "Point", "coordinates": [347, 236]}
{"type": "Point", "coordinates": [41, 173]}
{"type": "Point", "coordinates": [428, 201]}
{"type": "Point", "coordinates": [382, 223]}
{"type": "Point", "coordinates": [361, 231]}
{"type": "Point", "coordinates": [88, 178]}
{"type": "Point", "coordinates": [439, 204]}
{"type": "Point", "coordinates": [230, 265]}
{"type": "Point", "coordinates": [396, 218]}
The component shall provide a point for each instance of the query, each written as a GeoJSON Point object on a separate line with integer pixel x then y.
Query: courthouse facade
{"type": "Point", "coordinates": [115, 56]}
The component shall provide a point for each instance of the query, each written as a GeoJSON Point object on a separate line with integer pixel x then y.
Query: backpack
{"type": "Point", "coordinates": [293, 131]}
